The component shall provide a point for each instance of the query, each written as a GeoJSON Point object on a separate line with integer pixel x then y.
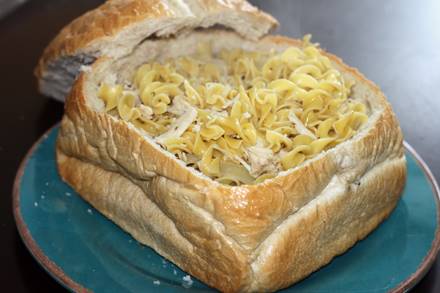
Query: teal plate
{"type": "Point", "coordinates": [84, 251]}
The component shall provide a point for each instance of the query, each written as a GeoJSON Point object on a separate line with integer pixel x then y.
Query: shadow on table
{"type": "Point", "coordinates": [50, 114]}
{"type": "Point", "coordinates": [33, 277]}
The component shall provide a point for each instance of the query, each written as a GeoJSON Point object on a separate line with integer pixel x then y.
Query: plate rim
{"type": "Point", "coordinates": [58, 274]}
{"type": "Point", "coordinates": [48, 265]}
{"type": "Point", "coordinates": [431, 256]}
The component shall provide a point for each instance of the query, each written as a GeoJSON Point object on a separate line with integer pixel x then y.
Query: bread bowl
{"type": "Point", "coordinates": [250, 237]}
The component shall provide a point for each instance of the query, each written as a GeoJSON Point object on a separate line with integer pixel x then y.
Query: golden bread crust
{"type": "Point", "coordinates": [125, 203]}
{"type": "Point", "coordinates": [314, 235]}
{"type": "Point", "coordinates": [256, 226]}
{"type": "Point", "coordinates": [104, 21]}
{"type": "Point", "coordinates": [92, 34]}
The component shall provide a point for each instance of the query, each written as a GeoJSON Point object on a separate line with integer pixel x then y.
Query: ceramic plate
{"type": "Point", "coordinates": [83, 250]}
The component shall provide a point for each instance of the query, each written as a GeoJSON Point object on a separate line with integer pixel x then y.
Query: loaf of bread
{"type": "Point", "coordinates": [253, 236]}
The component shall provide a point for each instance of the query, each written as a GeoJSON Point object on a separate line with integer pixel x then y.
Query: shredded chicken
{"type": "Point", "coordinates": [218, 114]}
{"type": "Point", "coordinates": [146, 112]}
{"type": "Point", "coordinates": [187, 115]}
{"type": "Point", "coordinates": [247, 115]}
{"type": "Point", "coordinates": [261, 160]}
{"type": "Point", "coordinates": [179, 106]}
{"type": "Point", "coordinates": [300, 127]}
{"type": "Point", "coordinates": [243, 163]}
{"type": "Point", "coordinates": [229, 103]}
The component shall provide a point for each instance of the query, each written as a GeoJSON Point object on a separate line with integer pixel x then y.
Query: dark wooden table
{"type": "Point", "coordinates": [395, 43]}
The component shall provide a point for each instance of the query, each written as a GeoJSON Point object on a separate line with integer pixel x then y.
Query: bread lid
{"type": "Point", "coordinates": [115, 28]}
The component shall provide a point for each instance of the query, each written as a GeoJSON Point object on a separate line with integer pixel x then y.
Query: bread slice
{"type": "Point", "coordinates": [250, 238]}
{"type": "Point", "coordinates": [116, 27]}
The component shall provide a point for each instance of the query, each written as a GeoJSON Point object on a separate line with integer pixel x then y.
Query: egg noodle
{"type": "Point", "coordinates": [240, 117]}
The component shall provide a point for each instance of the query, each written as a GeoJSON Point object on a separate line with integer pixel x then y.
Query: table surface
{"type": "Point", "coordinates": [394, 43]}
